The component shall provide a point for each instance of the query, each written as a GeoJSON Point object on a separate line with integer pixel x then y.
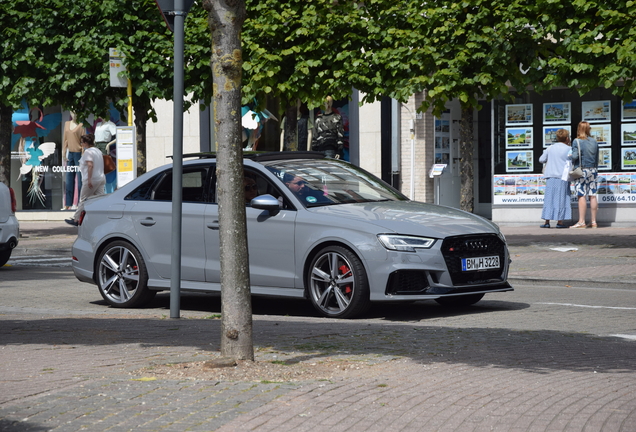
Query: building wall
{"type": "Point", "coordinates": [370, 138]}
{"type": "Point", "coordinates": [417, 150]}
{"type": "Point", "coordinates": [159, 142]}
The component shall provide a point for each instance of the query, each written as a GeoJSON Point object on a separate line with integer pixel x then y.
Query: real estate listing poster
{"type": "Point", "coordinates": [517, 115]}
{"type": "Point", "coordinates": [558, 112]}
{"type": "Point", "coordinates": [518, 138]}
{"type": "Point", "coordinates": [628, 111]}
{"type": "Point", "coordinates": [596, 111]}
{"type": "Point", "coordinates": [520, 161]}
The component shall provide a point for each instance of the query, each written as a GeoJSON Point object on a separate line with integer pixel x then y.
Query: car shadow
{"type": "Point", "coordinates": [397, 312]}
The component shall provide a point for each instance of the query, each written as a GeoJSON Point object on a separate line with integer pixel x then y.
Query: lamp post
{"type": "Point", "coordinates": [174, 13]}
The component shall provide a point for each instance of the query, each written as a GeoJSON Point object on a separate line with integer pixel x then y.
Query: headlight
{"type": "Point", "coordinates": [405, 243]}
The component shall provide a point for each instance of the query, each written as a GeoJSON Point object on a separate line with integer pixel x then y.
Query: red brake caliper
{"type": "Point", "coordinates": [343, 271]}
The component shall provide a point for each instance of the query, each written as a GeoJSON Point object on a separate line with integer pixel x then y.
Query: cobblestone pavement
{"type": "Point", "coordinates": [424, 369]}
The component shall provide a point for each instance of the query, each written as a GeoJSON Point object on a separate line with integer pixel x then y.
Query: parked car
{"type": "Point", "coordinates": [9, 226]}
{"type": "Point", "coordinates": [318, 228]}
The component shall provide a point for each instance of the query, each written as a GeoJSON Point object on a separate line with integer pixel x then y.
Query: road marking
{"type": "Point", "coordinates": [588, 306]}
{"type": "Point", "coordinates": [40, 260]}
{"type": "Point", "coordinates": [624, 336]}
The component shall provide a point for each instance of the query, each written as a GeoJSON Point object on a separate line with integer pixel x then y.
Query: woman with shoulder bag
{"type": "Point", "coordinates": [585, 156]}
{"type": "Point", "coordinates": [556, 202]}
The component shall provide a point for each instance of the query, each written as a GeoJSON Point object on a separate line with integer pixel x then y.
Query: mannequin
{"type": "Point", "coordinates": [304, 129]}
{"type": "Point", "coordinates": [105, 131]}
{"type": "Point", "coordinates": [329, 132]}
{"type": "Point", "coordinates": [72, 151]}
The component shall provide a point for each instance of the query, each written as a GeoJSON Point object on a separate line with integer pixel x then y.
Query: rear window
{"type": "Point", "coordinates": [159, 188]}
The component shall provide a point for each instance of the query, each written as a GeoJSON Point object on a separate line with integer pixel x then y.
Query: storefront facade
{"type": "Point", "coordinates": [400, 145]}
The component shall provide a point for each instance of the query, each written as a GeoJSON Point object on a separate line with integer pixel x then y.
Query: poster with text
{"type": "Point", "coordinates": [518, 138]}
{"type": "Point", "coordinates": [519, 114]}
{"type": "Point", "coordinates": [558, 112]}
{"type": "Point", "coordinates": [628, 111]}
{"type": "Point", "coordinates": [519, 161]}
{"type": "Point", "coordinates": [529, 189]}
{"type": "Point", "coordinates": [602, 134]}
{"type": "Point", "coordinates": [628, 158]}
{"type": "Point", "coordinates": [596, 111]}
{"type": "Point", "coordinates": [549, 134]}
{"type": "Point", "coordinates": [605, 159]}
{"type": "Point", "coordinates": [628, 134]}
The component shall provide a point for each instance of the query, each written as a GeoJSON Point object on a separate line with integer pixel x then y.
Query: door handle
{"type": "Point", "coordinates": [147, 222]}
{"type": "Point", "coordinates": [214, 225]}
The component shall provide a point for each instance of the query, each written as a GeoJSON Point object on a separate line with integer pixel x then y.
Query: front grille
{"type": "Point", "coordinates": [471, 246]}
{"type": "Point", "coordinates": [407, 282]}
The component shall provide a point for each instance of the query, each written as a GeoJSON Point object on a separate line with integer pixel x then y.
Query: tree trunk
{"type": "Point", "coordinates": [466, 200]}
{"type": "Point", "coordinates": [141, 120]}
{"type": "Point", "coordinates": [5, 143]}
{"type": "Point", "coordinates": [225, 19]}
{"type": "Point", "coordinates": [290, 137]}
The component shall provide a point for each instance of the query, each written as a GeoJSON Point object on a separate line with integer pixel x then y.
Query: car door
{"type": "Point", "coordinates": [270, 240]}
{"type": "Point", "coordinates": [152, 219]}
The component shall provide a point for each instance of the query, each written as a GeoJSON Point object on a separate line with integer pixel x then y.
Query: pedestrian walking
{"type": "Point", "coordinates": [556, 202]}
{"type": "Point", "coordinates": [93, 179]}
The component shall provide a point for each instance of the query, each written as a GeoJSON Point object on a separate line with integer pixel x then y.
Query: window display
{"type": "Point", "coordinates": [517, 146]}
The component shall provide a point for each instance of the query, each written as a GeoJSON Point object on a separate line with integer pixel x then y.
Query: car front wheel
{"type": "Point", "coordinates": [338, 284]}
{"type": "Point", "coordinates": [122, 277]}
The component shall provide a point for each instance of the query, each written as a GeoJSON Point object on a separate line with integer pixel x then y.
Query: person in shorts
{"type": "Point", "coordinates": [585, 186]}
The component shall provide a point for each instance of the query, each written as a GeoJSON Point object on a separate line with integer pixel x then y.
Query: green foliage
{"type": "Point", "coordinates": [466, 50]}
{"type": "Point", "coordinates": [56, 52]}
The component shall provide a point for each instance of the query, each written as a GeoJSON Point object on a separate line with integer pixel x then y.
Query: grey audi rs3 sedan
{"type": "Point", "coordinates": [318, 228]}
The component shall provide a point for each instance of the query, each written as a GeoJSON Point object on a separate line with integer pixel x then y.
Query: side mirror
{"type": "Point", "coordinates": [266, 202]}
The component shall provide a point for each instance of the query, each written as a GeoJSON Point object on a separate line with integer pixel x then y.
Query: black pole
{"type": "Point", "coordinates": [177, 159]}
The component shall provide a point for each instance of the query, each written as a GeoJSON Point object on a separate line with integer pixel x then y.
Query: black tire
{"type": "Point", "coordinates": [122, 277]}
{"type": "Point", "coordinates": [4, 256]}
{"type": "Point", "coordinates": [337, 283]}
{"type": "Point", "coordinates": [460, 301]}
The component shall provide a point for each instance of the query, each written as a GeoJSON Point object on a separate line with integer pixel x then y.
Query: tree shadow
{"type": "Point", "coordinates": [311, 338]}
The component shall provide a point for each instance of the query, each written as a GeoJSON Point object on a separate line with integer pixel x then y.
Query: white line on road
{"type": "Point", "coordinates": [624, 336]}
{"type": "Point", "coordinates": [589, 306]}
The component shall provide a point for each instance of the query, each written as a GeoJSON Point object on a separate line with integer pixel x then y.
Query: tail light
{"type": "Point", "coordinates": [81, 218]}
{"type": "Point", "coordinates": [14, 204]}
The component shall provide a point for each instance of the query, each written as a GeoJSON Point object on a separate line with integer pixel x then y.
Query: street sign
{"type": "Point", "coordinates": [167, 9]}
{"type": "Point", "coordinates": [116, 66]}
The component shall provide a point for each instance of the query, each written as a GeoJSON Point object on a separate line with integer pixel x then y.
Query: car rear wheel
{"type": "Point", "coordinates": [122, 277]}
{"type": "Point", "coordinates": [338, 284]}
{"type": "Point", "coordinates": [460, 301]}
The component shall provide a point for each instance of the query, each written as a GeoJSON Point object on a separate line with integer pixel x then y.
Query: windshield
{"type": "Point", "coordinates": [319, 182]}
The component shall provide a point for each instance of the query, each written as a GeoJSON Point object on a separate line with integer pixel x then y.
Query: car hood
{"type": "Point", "coordinates": [411, 218]}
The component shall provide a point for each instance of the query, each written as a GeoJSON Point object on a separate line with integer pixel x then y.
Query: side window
{"type": "Point", "coordinates": [193, 186]}
{"type": "Point", "coordinates": [142, 193]}
{"type": "Point", "coordinates": [256, 184]}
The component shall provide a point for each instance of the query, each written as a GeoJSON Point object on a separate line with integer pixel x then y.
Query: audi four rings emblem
{"type": "Point", "coordinates": [476, 245]}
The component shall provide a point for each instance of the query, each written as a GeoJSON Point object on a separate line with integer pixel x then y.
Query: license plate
{"type": "Point", "coordinates": [480, 263]}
